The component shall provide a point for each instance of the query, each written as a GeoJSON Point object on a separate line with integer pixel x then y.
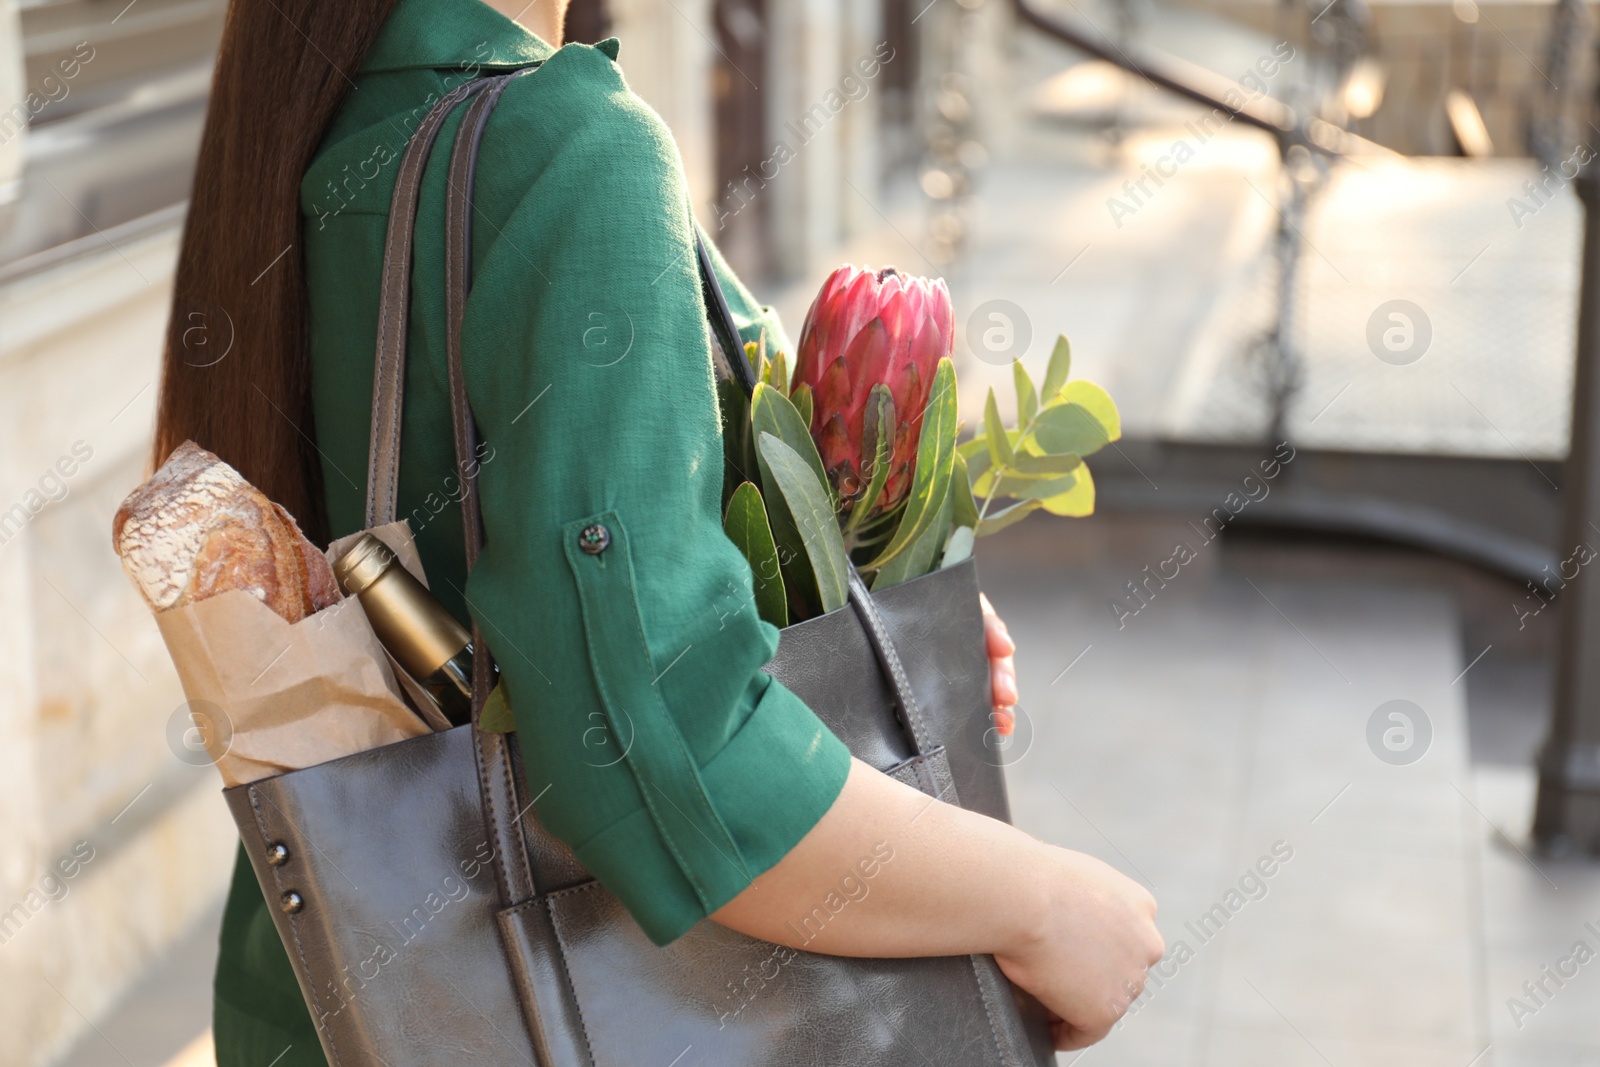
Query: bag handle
{"type": "Point", "coordinates": [390, 362]}
{"type": "Point", "coordinates": [727, 334]}
{"type": "Point", "coordinates": [394, 299]}
{"type": "Point", "coordinates": [394, 308]}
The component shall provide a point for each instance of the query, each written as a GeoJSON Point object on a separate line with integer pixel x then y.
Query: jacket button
{"type": "Point", "coordinates": [594, 539]}
{"type": "Point", "coordinates": [291, 902]}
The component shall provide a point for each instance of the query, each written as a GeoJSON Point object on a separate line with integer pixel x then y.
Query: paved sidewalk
{"type": "Point", "coordinates": [1225, 733]}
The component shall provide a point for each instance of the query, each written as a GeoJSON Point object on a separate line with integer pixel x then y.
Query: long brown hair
{"type": "Point", "coordinates": [236, 374]}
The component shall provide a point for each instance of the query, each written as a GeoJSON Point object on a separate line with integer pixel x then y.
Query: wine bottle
{"type": "Point", "coordinates": [424, 638]}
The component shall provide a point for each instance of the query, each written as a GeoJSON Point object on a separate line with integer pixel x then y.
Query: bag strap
{"type": "Point", "coordinates": [723, 328]}
{"type": "Point", "coordinates": [394, 308]}
{"type": "Point", "coordinates": [872, 621]}
{"type": "Point", "coordinates": [496, 757]}
{"type": "Point", "coordinates": [390, 363]}
{"type": "Point", "coordinates": [394, 301]}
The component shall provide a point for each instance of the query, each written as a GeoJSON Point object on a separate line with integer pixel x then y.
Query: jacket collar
{"type": "Point", "coordinates": [452, 33]}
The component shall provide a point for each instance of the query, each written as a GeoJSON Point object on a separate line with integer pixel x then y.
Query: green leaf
{"type": "Point", "coordinates": [1027, 399]}
{"type": "Point", "coordinates": [1001, 519]}
{"type": "Point", "coordinates": [746, 526]}
{"type": "Point", "coordinates": [792, 556]}
{"type": "Point", "coordinates": [738, 446]}
{"type": "Point", "coordinates": [879, 427]}
{"type": "Point", "coordinates": [801, 398]}
{"type": "Point", "coordinates": [1039, 489]}
{"type": "Point", "coordinates": [1097, 402]}
{"type": "Point", "coordinates": [777, 374]}
{"type": "Point", "coordinates": [958, 548]}
{"type": "Point", "coordinates": [1015, 485]}
{"type": "Point", "coordinates": [771, 412]}
{"type": "Point", "coordinates": [496, 717]}
{"type": "Point", "coordinates": [977, 465]}
{"type": "Point", "coordinates": [963, 508]}
{"type": "Point", "coordinates": [1081, 425]}
{"type": "Point", "coordinates": [918, 558]}
{"type": "Point", "coordinates": [1076, 501]}
{"type": "Point", "coordinates": [813, 512]}
{"type": "Point", "coordinates": [1000, 451]}
{"type": "Point", "coordinates": [935, 454]}
{"type": "Point", "coordinates": [970, 448]}
{"type": "Point", "coordinates": [1051, 466]}
{"type": "Point", "coordinates": [1055, 374]}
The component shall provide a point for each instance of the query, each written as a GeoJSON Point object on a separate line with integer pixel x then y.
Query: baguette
{"type": "Point", "coordinates": [197, 529]}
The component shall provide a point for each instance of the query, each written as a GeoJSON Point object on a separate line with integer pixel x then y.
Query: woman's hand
{"type": "Point", "coordinates": [948, 882]}
{"type": "Point", "coordinates": [1002, 668]}
{"type": "Point", "coordinates": [1086, 960]}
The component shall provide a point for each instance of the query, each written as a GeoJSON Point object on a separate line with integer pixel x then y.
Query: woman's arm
{"type": "Point", "coordinates": [890, 871]}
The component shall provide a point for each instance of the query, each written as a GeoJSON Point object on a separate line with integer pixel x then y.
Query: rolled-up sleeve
{"type": "Point", "coordinates": [622, 618]}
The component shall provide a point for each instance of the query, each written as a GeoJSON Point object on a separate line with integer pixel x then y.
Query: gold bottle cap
{"type": "Point", "coordinates": [362, 564]}
{"type": "Point", "coordinates": [408, 621]}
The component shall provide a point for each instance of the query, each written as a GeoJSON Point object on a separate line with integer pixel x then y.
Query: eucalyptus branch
{"type": "Point", "coordinates": [996, 472]}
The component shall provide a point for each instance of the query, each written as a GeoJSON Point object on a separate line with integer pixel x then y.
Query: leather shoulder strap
{"type": "Point", "coordinates": [389, 373]}
{"type": "Point", "coordinates": [394, 303]}
{"type": "Point", "coordinates": [458, 283]}
{"type": "Point", "coordinates": [394, 307]}
{"type": "Point", "coordinates": [498, 772]}
{"type": "Point", "coordinates": [723, 328]}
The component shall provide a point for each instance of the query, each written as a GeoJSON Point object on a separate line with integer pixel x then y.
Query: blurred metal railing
{"type": "Point", "coordinates": [1567, 813]}
{"type": "Point", "coordinates": [1568, 809]}
{"type": "Point", "coordinates": [1307, 146]}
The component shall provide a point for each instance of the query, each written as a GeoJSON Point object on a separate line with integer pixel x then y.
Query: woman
{"type": "Point", "coordinates": [581, 225]}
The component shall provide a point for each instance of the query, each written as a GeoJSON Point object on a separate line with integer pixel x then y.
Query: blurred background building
{"type": "Point", "coordinates": [1347, 229]}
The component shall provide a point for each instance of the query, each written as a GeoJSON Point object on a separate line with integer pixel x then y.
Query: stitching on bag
{"type": "Point", "coordinates": [515, 840]}
{"type": "Point", "coordinates": [874, 621]}
{"type": "Point", "coordinates": [944, 783]}
{"type": "Point", "coordinates": [385, 314]}
{"type": "Point", "coordinates": [486, 790]}
{"type": "Point", "coordinates": [383, 333]}
{"type": "Point", "coordinates": [577, 1003]}
{"type": "Point", "coordinates": [915, 767]}
{"type": "Point", "coordinates": [984, 995]}
{"type": "Point", "coordinates": [453, 276]}
{"type": "Point", "coordinates": [403, 238]}
{"type": "Point", "coordinates": [458, 274]}
{"type": "Point", "coordinates": [397, 317]}
{"type": "Point", "coordinates": [519, 973]}
{"type": "Point", "coordinates": [400, 237]}
{"type": "Point", "coordinates": [912, 711]}
{"type": "Point", "coordinates": [294, 928]}
{"type": "Point", "coordinates": [572, 890]}
{"type": "Point", "coordinates": [458, 210]}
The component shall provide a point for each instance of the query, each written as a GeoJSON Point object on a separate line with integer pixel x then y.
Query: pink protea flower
{"type": "Point", "coordinates": [865, 328]}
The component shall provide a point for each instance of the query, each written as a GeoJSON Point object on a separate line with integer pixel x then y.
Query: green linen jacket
{"type": "Point", "coordinates": [658, 749]}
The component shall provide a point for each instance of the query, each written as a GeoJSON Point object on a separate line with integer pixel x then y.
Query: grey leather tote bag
{"type": "Point", "coordinates": [430, 918]}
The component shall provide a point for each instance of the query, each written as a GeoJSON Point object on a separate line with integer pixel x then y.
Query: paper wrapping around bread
{"type": "Point", "coordinates": [284, 696]}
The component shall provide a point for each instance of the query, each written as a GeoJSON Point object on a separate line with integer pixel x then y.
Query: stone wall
{"type": "Point", "coordinates": [113, 844]}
